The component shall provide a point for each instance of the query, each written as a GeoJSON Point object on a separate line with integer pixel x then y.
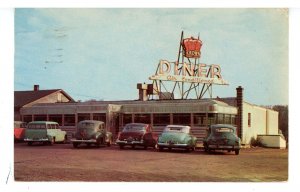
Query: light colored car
{"type": "Point", "coordinates": [177, 136]}
{"type": "Point", "coordinates": [46, 132]}
{"type": "Point", "coordinates": [222, 137]}
{"type": "Point", "coordinates": [91, 132]}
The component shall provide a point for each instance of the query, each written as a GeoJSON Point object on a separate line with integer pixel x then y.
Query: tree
{"type": "Point", "coordinates": [283, 119]}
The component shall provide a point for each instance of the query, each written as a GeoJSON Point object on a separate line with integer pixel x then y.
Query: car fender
{"type": "Point", "coordinates": [108, 136]}
{"type": "Point", "coordinates": [50, 136]}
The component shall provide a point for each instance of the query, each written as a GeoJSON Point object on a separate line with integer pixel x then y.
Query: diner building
{"type": "Point", "coordinates": [251, 120]}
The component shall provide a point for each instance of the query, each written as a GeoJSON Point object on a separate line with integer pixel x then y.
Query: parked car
{"type": "Point", "coordinates": [19, 131]}
{"type": "Point", "coordinates": [137, 134]}
{"type": "Point", "coordinates": [222, 137]}
{"type": "Point", "coordinates": [177, 136]}
{"type": "Point", "coordinates": [91, 132]}
{"type": "Point", "coordinates": [44, 132]}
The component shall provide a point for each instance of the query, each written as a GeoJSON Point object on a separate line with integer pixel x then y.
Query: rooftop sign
{"type": "Point", "coordinates": [190, 73]}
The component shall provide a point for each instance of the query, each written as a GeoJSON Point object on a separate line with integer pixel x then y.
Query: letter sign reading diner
{"type": "Point", "coordinates": [191, 73]}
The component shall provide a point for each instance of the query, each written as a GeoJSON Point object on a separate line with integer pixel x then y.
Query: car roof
{"type": "Point", "coordinates": [179, 126]}
{"type": "Point", "coordinates": [222, 125]}
{"type": "Point", "coordinates": [91, 121]}
{"type": "Point", "coordinates": [43, 122]}
{"type": "Point", "coordinates": [137, 124]}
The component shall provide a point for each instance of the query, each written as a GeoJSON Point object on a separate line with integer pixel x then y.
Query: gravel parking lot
{"type": "Point", "coordinates": [61, 162]}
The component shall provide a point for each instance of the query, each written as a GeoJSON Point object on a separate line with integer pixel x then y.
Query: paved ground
{"type": "Point", "coordinates": [61, 162]}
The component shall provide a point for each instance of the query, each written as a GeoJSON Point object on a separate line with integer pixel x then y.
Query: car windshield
{"type": "Point", "coordinates": [86, 125]}
{"type": "Point", "coordinates": [223, 130]}
{"type": "Point", "coordinates": [20, 125]}
{"type": "Point", "coordinates": [134, 128]}
{"type": "Point", "coordinates": [177, 129]}
{"type": "Point", "coordinates": [36, 126]}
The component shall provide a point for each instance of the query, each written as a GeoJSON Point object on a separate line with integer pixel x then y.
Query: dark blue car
{"type": "Point", "coordinates": [222, 137]}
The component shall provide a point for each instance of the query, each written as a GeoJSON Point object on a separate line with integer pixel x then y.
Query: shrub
{"type": "Point", "coordinates": [256, 142]}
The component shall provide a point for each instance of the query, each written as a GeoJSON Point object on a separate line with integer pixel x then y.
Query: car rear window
{"type": "Point", "coordinates": [223, 130]}
{"type": "Point", "coordinates": [86, 125]}
{"type": "Point", "coordinates": [177, 129]}
{"type": "Point", "coordinates": [129, 128]}
{"type": "Point", "coordinates": [36, 126]}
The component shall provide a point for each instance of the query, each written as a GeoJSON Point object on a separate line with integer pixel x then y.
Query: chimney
{"type": "Point", "coordinates": [239, 104]}
{"type": "Point", "coordinates": [142, 91]}
{"type": "Point", "coordinates": [36, 87]}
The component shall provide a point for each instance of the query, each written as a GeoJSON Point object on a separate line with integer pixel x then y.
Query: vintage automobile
{"type": "Point", "coordinates": [177, 136]}
{"type": "Point", "coordinates": [222, 137]}
{"type": "Point", "coordinates": [91, 132]}
{"type": "Point", "coordinates": [137, 134]}
{"type": "Point", "coordinates": [19, 131]}
{"type": "Point", "coordinates": [46, 132]}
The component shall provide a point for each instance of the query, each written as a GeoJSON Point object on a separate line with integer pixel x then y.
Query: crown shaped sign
{"type": "Point", "coordinates": [191, 47]}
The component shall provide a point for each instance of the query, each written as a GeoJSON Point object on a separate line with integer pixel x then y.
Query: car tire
{"type": "Point", "coordinates": [145, 147]}
{"type": "Point", "coordinates": [99, 142]}
{"type": "Point", "coordinates": [208, 150]}
{"type": "Point", "coordinates": [109, 143]}
{"type": "Point", "coordinates": [75, 145]}
{"type": "Point", "coordinates": [29, 143]}
{"type": "Point", "coordinates": [65, 139]}
{"type": "Point", "coordinates": [160, 149]}
{"type": "Point", "coordinates": [121, 146]}
{"type": "Point", "coordinates": [237, 151]}
{"type": "Point", "coordinates": [52, 141]}
{"type": "Point", "coordinates": [133, 146]}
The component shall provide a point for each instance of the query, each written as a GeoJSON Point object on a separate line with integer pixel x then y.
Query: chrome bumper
{"type": "Point", "coordinates": [83, 141]}
{"type": "Point", "coordinates": [36, 140]}
{"type": "Point", "coordinates": [172, 144]}
{"type": "Point", "coordinates": [223, 147]}
{"type": "Point", "coordinates": [130, 142]}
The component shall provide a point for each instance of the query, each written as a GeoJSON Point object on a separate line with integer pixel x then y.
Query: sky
{"type": "Point", "coordinates": [103, 53]}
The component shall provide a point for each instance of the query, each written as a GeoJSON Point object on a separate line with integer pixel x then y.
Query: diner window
{"type": "Point", "coordinates": [142, 118]}
{"type": "Point", "coordinates": [127, 118]}
{"type": "Point", "coordinates": [249, 119]}
{"type": "Point", "coordinates": [182, 118]}
{"type": "Point", "coordinates": [56, 118]}
{"type": "Point", "coordinates": [220, 118]}
{"type": "Point", "coordinates": [27, 118]}
{"type": "Point", "coordinates": [161, 119]}
{"type": "Point", "coordinates": [227, 119]}
{"type": "Point", "coordinates": [40, 117]}
{"type": "Point", "coordinates": [199, 119]}
{"type": "Point", "coordinates": [69, 120]}
{"type": "Point", "coordinates": [212, 119]}
{"type": "Point", "coordinates": [83, 116]}
{"type": "Point", "coordinates": [233, 119]}
{"type": "Point", "coordinates": [99, 117]}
